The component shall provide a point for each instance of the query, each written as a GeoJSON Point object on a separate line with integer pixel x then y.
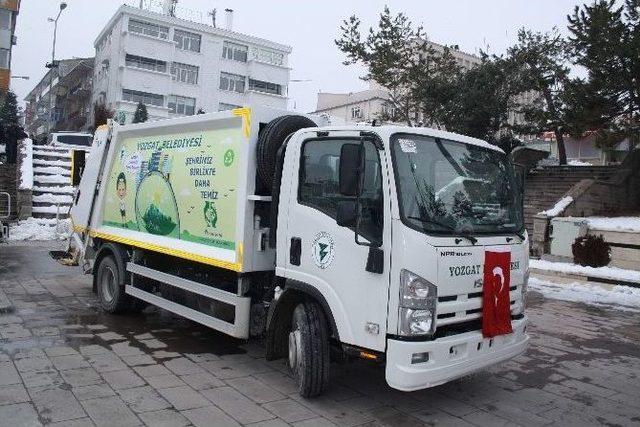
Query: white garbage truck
{"type": "Point", "coordinates": [323, 241]}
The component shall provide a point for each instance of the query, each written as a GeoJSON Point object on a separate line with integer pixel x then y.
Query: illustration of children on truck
{"type": "Point", "coordinates": [121, 189]}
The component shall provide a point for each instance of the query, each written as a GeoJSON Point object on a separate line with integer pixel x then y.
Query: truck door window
{"type": "Point", "coordinates": [319, 187]}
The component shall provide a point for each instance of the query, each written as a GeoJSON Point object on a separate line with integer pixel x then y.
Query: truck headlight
{"type": "Point", "coordinates": [518, 307]}
{"type": "Point", "coordinates": [418, 300]}
{"type": "Point", "coordinates": [416, 322]}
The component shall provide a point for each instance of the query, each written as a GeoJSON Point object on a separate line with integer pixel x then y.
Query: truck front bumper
{"type": "Point", "coordinates": [450, 357]}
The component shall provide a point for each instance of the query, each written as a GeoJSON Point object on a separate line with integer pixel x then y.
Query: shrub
{"type": "Point", "coordinates": [591, 251]}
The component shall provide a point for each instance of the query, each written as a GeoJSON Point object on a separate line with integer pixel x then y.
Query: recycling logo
{"type": "Point", "coordinates": [323, 250]}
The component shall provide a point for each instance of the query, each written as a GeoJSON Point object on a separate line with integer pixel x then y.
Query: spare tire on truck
{"type": "Point", "coordinates": [271, 139]}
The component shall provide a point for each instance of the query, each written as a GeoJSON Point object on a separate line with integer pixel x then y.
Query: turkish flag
{"type": "Point", "coordinates": [496, 304]}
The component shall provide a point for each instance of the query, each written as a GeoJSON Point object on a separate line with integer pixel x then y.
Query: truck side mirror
{"type": "Point", "coordinates": [77, 166]}
{"type": "Point", "coordinates": [351, 169]}
{"type": "Point", "coordinates": [347, 213]}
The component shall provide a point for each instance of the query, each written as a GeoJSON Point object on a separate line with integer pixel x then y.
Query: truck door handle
{"type": "Point", "coordinates": [295, 250]}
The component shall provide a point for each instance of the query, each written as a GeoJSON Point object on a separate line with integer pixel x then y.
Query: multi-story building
{"type": "Point", "coordinates": [177, 67]}
{"type": "Point", "coordinates": [8, 13]}
{"type": "Point", "coordinates": [61, 101]}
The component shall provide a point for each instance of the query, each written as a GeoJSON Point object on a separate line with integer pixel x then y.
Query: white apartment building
{"type": "Point", "coordinates": [177, 67]}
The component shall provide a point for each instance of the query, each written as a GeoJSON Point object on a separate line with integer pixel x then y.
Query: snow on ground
{"type": "Point", "coordinates": [53, 198]}
{"type": "Point", "coordinates": [26, 167]}
{"type": "Point", "coordinates": [578, 163]}
{"type": "Point", "coordinates": [62, 163]}
{"type": "Point", "coordinates": [558, 208]}
{"type": "Point", "coordinates": [623, 298]}
{"type": "Point", "coordinates": [59, 190]}
{"type": "Point", "coordinates": [51, 170]}
{"type": "Point", "coordinates": [56, 179]}
{"type": "Point", "coordinates": [612, 273]}
{"type": "Point", "coordinates": [34, 229]}
{"type": "Point", "coordinates": [623, 223]}
{"type": "Point", "coordinates": [51, 209]}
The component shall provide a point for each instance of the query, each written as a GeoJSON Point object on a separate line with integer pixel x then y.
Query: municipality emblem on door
{"type": "Point", "coordinates": [323, 250]}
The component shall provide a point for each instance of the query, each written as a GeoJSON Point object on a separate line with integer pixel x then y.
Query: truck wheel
{"type": "Point", "coordinates": [111, 293]}
{"type": "Point", "coordinates": [270, 140]}
{"type": "Point", "coordinates": [309, 349]}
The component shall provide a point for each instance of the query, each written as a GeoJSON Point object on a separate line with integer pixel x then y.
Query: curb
{"type": "Point", "coordinates": [584, 278]}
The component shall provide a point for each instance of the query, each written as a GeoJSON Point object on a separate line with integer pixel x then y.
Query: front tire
{"type": "Point", "coordinates": [111, 287]}
{"type": "Point", "coordinates": [309, 349]}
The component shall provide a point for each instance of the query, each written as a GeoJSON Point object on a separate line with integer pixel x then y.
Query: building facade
{"type": "Point", "coordinates": [8, 14]}
{"type": "Point", "coordinates": [178, 67]}
{"type": "Point", "coordinates": [61, 101]}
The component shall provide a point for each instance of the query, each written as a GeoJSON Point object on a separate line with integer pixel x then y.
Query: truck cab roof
{"type": "Point", "coordinates": [388, 130]}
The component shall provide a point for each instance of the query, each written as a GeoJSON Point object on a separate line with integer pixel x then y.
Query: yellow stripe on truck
{"type": "Point", "coordinates": [235, 266]}
{"type": "Point", "coordinates": [245, 113]}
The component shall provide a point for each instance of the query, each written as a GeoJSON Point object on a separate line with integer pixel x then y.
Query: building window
{"type": "Point", "coordinates": [226, 107]}
{"type": "Point", "coordinates": [265, 87]}
{"type": "Point", "coordinates": [5, 19]}
{"type": "Point", "coordinates": [4, 58]}
{"type": "Point", "coordinates": [148, 29]}
{"type": "Point", "coordinates": [186, 40]}
{"type": "Point", "coordinates": [235, 51]}
{"type": "Point", "coordinates": [184, 73]}
{"type": "Point", "coordinates": [146, 63]}
{"type": "Point", "coordinates": [356, 112]}
{"type": "Point", "coordinates": [182, 105]}
{"type": "Point", "coordinates": [144, 97]}
{"type": "Point", "coordinates": [268, 56]}
{"type": "Point", "coordinates": [232, 82]}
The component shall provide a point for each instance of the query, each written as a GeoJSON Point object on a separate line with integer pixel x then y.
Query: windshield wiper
{"type": "Point", "coordinates": [467, 236]}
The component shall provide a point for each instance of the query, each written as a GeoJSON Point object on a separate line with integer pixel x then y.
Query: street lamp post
{"type": "Point", "coordinates": [52, 66]}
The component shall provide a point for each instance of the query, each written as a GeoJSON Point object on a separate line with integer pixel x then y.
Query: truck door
{"type": "Point", "coordinates": [325, 255]}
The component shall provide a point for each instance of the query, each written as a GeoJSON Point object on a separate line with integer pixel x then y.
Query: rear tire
{"type": "Point", "coordinates": [270, 140]}
{"type": "Point", "coordinates": [111, 287]}
{"type": "Point", "coordinates": [309, 349]}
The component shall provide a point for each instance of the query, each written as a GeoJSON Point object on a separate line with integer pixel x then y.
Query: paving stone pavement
{"type": "Point", "coordinates": [65, 363]}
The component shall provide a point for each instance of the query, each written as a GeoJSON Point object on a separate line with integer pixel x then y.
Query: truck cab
{"type": "Point", "coordinates": [390, 225]}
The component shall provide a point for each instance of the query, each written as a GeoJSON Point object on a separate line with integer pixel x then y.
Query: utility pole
{"type": "Point", "coordinates": [52, 66]}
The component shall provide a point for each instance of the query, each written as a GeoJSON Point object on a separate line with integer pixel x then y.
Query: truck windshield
{"type": "Point", "coordinates": [450, 188]}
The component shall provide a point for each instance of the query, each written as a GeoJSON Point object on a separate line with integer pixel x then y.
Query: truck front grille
{"type": "Point", "coordinates": [462, 308]}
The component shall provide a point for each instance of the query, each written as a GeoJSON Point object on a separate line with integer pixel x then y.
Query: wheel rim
{"type": "Point", "coordinates": [294, 350]}
{"type": "Point", "coordinates": [108, 284]}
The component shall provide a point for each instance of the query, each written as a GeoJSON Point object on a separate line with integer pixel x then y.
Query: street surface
{"type": "Point", "coordinates": [64, 362]}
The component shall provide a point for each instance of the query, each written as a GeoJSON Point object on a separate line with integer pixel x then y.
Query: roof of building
{"type": "Point", "coordinates": [328, 101]}
{"type": "Point", "coordinates": [172, 20]}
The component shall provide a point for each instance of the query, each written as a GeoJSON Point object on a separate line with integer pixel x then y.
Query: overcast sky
{"type": "Point", "coordinates": [310, 27]}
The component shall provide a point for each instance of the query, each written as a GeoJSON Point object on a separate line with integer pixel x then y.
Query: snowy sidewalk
{"type": "Point", "coordinates": [620, 297]}
{"type": "Point", "coordinates": [611, 275]}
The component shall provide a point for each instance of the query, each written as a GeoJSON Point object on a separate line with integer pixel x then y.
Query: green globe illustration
{"type": "Point", "coordinates": [156, 207]}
